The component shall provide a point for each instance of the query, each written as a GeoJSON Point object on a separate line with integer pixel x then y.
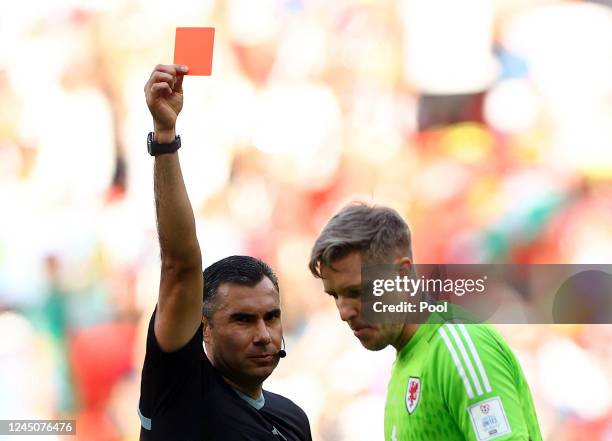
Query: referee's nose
{"type": "Point", "coordinates": [262, 334]}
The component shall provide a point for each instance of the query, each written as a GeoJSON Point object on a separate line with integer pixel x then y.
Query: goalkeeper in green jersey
{"type": "Point", "coordinates": [449, 381]}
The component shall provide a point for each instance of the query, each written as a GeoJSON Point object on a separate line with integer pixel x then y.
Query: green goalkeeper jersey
{"type": "Point", "coordinates": [458, 382]}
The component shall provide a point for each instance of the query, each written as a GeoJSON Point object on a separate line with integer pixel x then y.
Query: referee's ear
{"type": "Point", "coordinates": [206, 324]}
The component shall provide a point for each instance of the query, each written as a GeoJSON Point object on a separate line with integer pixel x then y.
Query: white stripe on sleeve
{"type": "Point", "coordinates": [465, 356]}
{"type": "Point", "coordinates": [458, 365]}
{"type": "Point", "coordinates": [481, 369]}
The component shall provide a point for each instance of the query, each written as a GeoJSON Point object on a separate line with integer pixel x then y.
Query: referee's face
{"type": "Point", "coordinates": [246, 332]}
{"type": "Point", "coordinates": [343, 283]}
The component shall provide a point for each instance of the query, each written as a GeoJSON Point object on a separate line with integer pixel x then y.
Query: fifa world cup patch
{"type": "Point", "coordinates": [489, 419]}
{"type": "Point", "coordinates": [413, 393]}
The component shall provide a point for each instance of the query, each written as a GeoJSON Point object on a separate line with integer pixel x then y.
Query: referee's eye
{"type": "Point", "coordinates": [242, 318]}
{"type": "Point", "coordinates": [272, 315]}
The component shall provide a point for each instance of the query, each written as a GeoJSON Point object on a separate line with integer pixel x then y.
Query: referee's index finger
{"type": "Point", "coordinates": [172, 69]}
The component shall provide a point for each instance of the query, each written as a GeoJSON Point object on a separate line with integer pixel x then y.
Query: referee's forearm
{"type": "Point", "coordinates": [175, 220]}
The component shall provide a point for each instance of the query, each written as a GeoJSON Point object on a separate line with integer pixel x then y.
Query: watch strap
{"type": "Point", "coordinates": [155, 148]}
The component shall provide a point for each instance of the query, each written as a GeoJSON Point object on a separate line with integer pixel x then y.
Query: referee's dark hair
{"type": "Point", "coordinates": [241, 270]}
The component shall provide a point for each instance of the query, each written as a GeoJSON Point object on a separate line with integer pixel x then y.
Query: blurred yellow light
{"type": "Point", "coordinates": [467, 142]}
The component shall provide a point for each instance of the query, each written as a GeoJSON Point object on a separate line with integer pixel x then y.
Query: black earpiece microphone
{"type": "Point", "coordinates": [282, 353]}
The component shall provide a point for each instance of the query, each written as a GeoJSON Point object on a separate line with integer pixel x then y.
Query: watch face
{"type": "Point", "coordinates": [150, 143]}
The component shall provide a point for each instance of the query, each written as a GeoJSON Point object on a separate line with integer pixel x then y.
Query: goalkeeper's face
{"type": "Point", "coordinates": [342, 281]}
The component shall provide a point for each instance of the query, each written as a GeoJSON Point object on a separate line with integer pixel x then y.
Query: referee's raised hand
{"type": "Point", "coordinates": [164, 94]}
{"type": "Point", "coordinates": [179, 304]}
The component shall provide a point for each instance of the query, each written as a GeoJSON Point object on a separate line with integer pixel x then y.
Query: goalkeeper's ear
{"type": "Point", "coordinates": [404, 266]}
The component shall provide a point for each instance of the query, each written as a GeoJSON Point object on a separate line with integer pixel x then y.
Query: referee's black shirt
{"type": "Point", "coordinates": [184, 398]}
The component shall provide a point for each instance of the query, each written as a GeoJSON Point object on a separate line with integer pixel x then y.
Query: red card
{"type": "Point", "coordinates": [193, 47]}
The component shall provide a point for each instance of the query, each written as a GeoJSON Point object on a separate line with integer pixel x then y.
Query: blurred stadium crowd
{"type": "Point", "coordinates": [487, 124]}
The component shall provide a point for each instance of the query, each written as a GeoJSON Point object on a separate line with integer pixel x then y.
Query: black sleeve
{"type": "Point", "coordinates": [299, 417]}
{"type": "Point", "coordinates": [171, 386]}
{"type": "Point", "coordinates": [305, 424]}
{"type": "Point", "coordinates": [192, 351]}
{"type": "Point", "coordinates": [287, 416]}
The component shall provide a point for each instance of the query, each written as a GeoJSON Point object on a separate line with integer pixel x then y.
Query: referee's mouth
{"type": "Point", "coordinates": [264, 357]}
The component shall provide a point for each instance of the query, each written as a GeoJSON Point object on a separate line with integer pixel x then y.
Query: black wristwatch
{"type": "Point", "coordinates": [155, 148]}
